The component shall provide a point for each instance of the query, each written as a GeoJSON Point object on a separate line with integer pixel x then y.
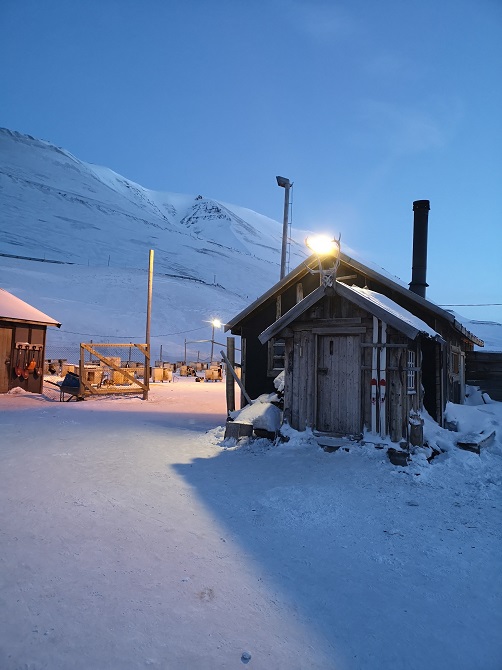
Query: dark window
{"type": "Point", "coordinates": [276, 354]}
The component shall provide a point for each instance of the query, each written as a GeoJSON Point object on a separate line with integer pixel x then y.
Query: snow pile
{"type": "Point", "coordinates": [17, 390]}
{"type": "Point", "coordinates": [480, 420]}
{"type": "Point", "coordinates": [262, 414]}
{"type": "Point", "coordinates": [294, 439]}
{"type": "Point", "coordinates": [279, 382]}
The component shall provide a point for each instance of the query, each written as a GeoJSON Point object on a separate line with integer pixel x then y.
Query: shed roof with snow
{"type": "Point", "coordinates": [16, 310]}
{"type": "Point", "coordinates": [375, 303]}
{"type": "Point", "coordinates": [378, 277]}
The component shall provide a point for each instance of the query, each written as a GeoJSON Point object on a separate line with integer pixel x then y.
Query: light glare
{"type": "Point", "coordinates": [322, 245]}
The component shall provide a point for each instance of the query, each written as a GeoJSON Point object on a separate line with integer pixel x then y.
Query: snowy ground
{"type": "Point", "coordinates": [132, 537]}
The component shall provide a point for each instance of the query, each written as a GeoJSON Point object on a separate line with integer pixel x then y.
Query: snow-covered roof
{"type": "Point", "coordinates": [375, 303]}
{"type": "Point", "coordinates": [489, 331]}
{"type": "Point", "coordinates": [392, 308]}
{"type": "Point", "coordinates": [15, 309]}
{"type": "Point", "coordinates": [373, 273]}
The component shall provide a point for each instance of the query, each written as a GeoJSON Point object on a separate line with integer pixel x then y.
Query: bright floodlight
{"type": "Point", "coordinates": [216, 323]}
{"type": "Point", "coordinates": [322, 245]}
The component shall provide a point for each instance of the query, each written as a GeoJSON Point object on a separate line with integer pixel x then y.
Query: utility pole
{"type": "Point", "coordinates": [146, 377]}
{"type": "Point", "coordinates": [215, 323]}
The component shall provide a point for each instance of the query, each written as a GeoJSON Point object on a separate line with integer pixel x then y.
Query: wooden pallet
{"type": "Point", "coordinates": [476, 441]}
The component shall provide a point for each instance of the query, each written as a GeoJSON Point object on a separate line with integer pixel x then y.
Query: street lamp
{"type": "Point", "coordinates": [324, 246]}
{"type": "Point", "coordinates": [215, 323]}
{"type": "Point", "coordinates": [286, 185]}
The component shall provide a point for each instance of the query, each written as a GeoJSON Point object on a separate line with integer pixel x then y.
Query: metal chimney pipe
{"type": "Point", "coordinates": [286, 185]}
{"type": "Point", "coordinates": [418, 282]}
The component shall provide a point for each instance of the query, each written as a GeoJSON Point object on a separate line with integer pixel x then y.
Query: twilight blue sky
{"type": "Point", "coordinates": [365, 106]}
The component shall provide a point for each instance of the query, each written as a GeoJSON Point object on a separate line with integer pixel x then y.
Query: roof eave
{"type": "Point", "coordinates": [31, 322]}
{"type": "Point", "coordinates": [293, 313]}
{"type": "Point", "coordinates": [281, 285]}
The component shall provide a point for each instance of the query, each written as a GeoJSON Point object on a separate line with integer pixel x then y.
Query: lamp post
{"type": "Point", "coordinates": [286, 185]}
{"type": "Point", "coordinates": [215, 323]}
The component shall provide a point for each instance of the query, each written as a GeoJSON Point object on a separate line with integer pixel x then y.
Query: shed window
{"type": "Point", "coordinates": [411, 372]}
{"type": "Point", "coordinates": [276, 354]}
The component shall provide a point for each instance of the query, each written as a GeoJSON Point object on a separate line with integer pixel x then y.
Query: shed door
{"type": "Point", "coordinates": [5, 352]}
{"type": "Point", "coordinates": [338, 384]}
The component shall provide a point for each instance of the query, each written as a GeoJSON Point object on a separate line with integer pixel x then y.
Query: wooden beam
{"type": "Point", "coordinates": [241, 386]}
{"type": "Point", "coordinates": [116, 344]}
{"type": "Point", "coordinates": [346, 277]}
{"type": "Point", "coordinates": [476, 441]}
{"type": "Point", "coordinates": [387, 346]}
{"type": "Point", "coordinates": [339, 331]}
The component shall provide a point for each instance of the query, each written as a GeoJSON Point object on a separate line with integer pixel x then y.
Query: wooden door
{"type": "Point", "coordinates": [5, 352]}
{"type": "Point", "coordinates": [338, 399]}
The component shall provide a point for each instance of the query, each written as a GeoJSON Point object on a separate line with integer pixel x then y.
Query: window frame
{"type": "Point", "coordinates": [411, 371]}
{"type": "Point", "coordinates": [273, 358]}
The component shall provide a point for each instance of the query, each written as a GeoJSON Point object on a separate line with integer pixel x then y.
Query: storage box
{"type": "Point", "coordinates": [157, 374]}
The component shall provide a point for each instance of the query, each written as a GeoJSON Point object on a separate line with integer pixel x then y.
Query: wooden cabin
{"type": "Point", "coordinates": [484, 369]}
{"type": "Point", "coordinates": [359, 350]}
{"type": "Point", "coordinates": [22, 344]}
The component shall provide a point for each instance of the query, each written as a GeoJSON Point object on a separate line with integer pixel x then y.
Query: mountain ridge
{"type": "Point", "coordinates": [55, 178]}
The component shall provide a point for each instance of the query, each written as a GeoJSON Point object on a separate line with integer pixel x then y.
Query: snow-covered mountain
{"type": "Point", "coordinates": [60, 208]}
{"type": "Point", "coordinates": [75, 240]}
{"type": "Point", "coordinates": [94, 228]}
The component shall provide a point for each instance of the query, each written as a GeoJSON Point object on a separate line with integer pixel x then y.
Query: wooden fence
{"type": "Point", "coordinates": [110, 377]}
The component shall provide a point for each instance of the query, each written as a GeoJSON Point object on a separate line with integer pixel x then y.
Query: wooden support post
{"type": "Point", "coordinates": [230, 383]}
{"type": "Point", "coordinates": [241, 386]}
{"type": "Point", "coordinates": [81, 370]}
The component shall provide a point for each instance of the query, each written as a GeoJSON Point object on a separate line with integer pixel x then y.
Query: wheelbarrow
{"type": "Point", "coordinates": [70, 386]}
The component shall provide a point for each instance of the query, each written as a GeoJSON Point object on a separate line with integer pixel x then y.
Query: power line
{"type": "Point", "coordinates": [131, 337]}
{"type": "Point", "coordinates": [479, 304]}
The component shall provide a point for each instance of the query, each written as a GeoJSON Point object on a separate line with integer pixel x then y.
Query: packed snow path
{"type": "Point", "coordinates": [131, 537]}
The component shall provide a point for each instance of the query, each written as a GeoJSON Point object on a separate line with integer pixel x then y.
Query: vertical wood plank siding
{"type": "Point", "coordinates": [328, 372]}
